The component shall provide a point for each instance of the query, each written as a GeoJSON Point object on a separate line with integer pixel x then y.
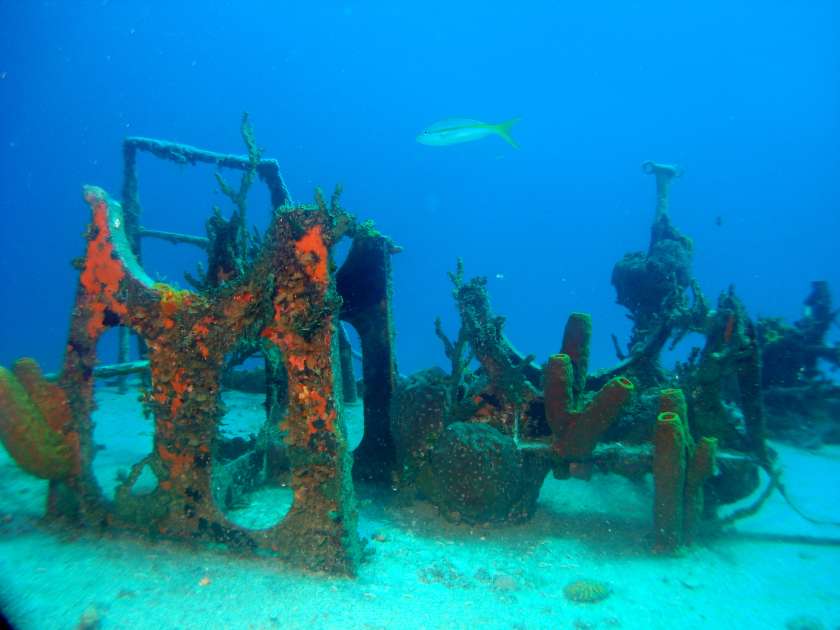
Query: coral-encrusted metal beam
{"type": "Point", "coordinates": [289, 298]}
{"type": "Point", "coordinates": [268, 169]}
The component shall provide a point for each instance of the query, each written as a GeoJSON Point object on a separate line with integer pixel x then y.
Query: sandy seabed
{"type": "Point", "coordinates": [774, 570]}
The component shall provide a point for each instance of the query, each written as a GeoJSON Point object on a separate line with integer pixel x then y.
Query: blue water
{"type": "Point", "coordinates": [743, 95]}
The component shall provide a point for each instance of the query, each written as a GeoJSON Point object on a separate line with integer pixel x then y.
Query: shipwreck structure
{"type": "Point", "coordinates": [478, 443]}
{"type": "Point", "coordinates": [289, 299]}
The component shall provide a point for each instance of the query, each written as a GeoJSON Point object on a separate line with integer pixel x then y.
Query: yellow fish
{"type": "Point", "coordinates": [458, 130]}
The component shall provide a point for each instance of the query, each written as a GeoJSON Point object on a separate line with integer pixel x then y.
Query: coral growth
{"type": "Point", "coordinates": [103, 272]}
{"type": "Point", "coordinates": [578, 419]}
{"type": "Point", "coordinates": [577, 422]}
{"type": "Point", "coordinates": [681, 467]}
{"type": "Point", "coordinates": [34, 422]}
{"type": "Point", "coordinates": [701, 466]}
{"type": "Point", "coordinates": [586, 591]}
{"type": "Point", "coordinates": [653, 286]}
{"type": "Point", "coordinates": [286, 304]}
{"type": "Point", "coordinates": [669, 457]}
{"type": "Point", "coordinates": [476, 474]}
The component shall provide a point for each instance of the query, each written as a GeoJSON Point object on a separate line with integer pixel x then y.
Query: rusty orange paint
{"type": "Point", "coordinates": [179, 463]}
{"type": "Point", "coordinates": [179, 386]}
{"type": "Point", "coordinates": [308, 360]}
{"type": "Point", "coordinates": [102, 274]}
{"type": "Point", "coordinates": [312, 252]}
{"type": "Point", "coordinates": [483, 411]}
{"type": "Point", "coordinates": [200, 330]}
{"type": "Point", "coordinates": [200, 327]}
{"type": "Point", "coordinates": [730, 328]}
{"type": "Point", "coordinates": [314, 406]}
{"type": "Point", "coordinates": [274, 331]}
{"type": "Point", "coordinates": [271, 333]}
{"type": "Point", "coordinates": [237, 308]}
{"type": "Point", "coordinates": [319, 404]}
{"type": "Point", "coordinates": [172, 300]}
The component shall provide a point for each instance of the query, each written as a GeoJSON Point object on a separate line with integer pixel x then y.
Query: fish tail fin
{"type": "Point", "coordinates": [503, 129]}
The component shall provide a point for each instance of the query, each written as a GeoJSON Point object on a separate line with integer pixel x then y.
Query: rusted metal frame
{"type": "Point", "coordinates": [188, 336]}
{"type": "Point", "coordinates": [267, 169]}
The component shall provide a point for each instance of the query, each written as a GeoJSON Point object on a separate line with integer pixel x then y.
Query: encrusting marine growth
{"type": "Point", "coordinates": [35, 422]}
{"type": "Point", "coordinates": [478, 443]}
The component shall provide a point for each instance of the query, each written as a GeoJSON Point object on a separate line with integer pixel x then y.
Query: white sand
{"type": "Point", "coordinates": [425, 572]}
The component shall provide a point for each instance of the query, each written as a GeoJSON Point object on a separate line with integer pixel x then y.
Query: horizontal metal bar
{"type": "Point", "coordinates": [176, 237]}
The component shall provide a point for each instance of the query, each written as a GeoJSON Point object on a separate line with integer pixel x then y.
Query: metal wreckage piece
{"type": "Point", "coordinates": [290, 299]}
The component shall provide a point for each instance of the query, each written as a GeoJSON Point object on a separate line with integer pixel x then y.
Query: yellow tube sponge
{"type": "Point", "coordinates": [32, 412]}
{"type": "Point", "coordinates": [669, 462]}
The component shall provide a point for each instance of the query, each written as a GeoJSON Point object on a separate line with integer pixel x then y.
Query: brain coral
{"type": "Point", "coordinates": [586, 591]}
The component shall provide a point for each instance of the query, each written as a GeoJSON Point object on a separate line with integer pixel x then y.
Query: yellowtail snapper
{"type": "Point", "coordinates": [458, 130]}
